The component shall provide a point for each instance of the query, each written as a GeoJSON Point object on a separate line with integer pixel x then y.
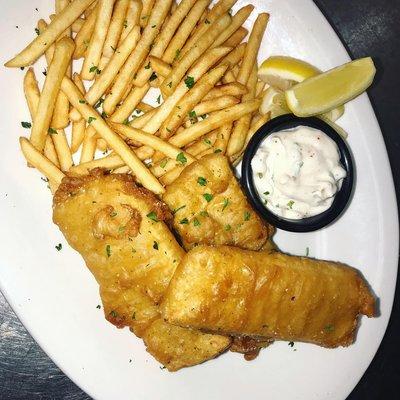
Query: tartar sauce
{"type": "Point", "coordinates": [297, 172]}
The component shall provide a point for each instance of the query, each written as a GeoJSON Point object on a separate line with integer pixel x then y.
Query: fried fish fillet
{"type": "Point", "coordinates": [211, 209]}
{"type": "Point", "coordinates": [119, 230]}
{"type": "Point", "coordinates": [267, 295]}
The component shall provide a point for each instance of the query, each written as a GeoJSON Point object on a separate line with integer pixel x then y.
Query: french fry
{"type": "Point", "coordinates": [107, 75]}
{"type": "Point", "coordinates": [90, 9]}
{"type": "Point", "coordinates": [152, 141]}
{"type": "Point", "coordinates": [219, 103]}
{"type": "Point", "coordinates": [252, 47]}
{"type": "Point", "coordinates": [40, 162]}
{"type": "Point", "coordinates": [62, 149]}
{"type": "Point", "coordinates": [236, 37]}
{"type": "Point", "coordinates": [170, 176]}
{"type": "Point", "coordinates": [203, 144]}
{"type": "Point", "coordinates": [122, 170]}
{"type": "Point", "coordinates": [188, 102]}
{"type": "Point", "coordinates": [174, 6]}
{"type": "Point", "coordinates": [144, 107]}
{"type": "Point", "coordinates": [42, 42]}
{"type": "Point", "coordinates": [130, 103]}
{"type": "Point", "coordinates": [163, 40]}
{"type": "Point", "coordinates": [31, 91]}
{"type": "Point", "coordinates": [143, 175]}
{"type": "Point", "coordinates": [109, 162]}
{"type": "Point", "coordinates": [50, 152]}
{"type": "Point", "coordinates": [173, 50]}
{"type": "Point", "coordinates": [241, 127]}
{"type": "Point", "coordinates": [259, 88]}
{"type": "Point", "coordinates": [62, 56]}
{"type": "Point", "coordinates": [223, 136]}
{"type": "Point", "coordinates": [101, 145]}
{"type": "Point", "coordinates": [93, 53]}
{"type": "Point", "coordinates": [229, 77]}
{"type": "Point", "coordinates": [213, 122]}
{"type": "Point", "coordinates": [231, 89]}
{"type": "Point", "coordinates": [256, 124]}
{"type": "Point", "coordinates": [163, 166]}
{"type": "Point", "coordinates": [235, 56]}
{"type": "Point", "coordinates": [138, 55]}
{"type": "Point", "coordinates": [88, 145]}
{"type": "Point", "coordinates": [205, 41]}
{"type": "Point", "coordinates": [84, 35]}
{"type": "Point", "coordinates": [60, 118]}
{"type": "Point", "coordinates": [200, 68]}
{"type": "Point", "coordinates": [115, 28]}
{"type": "Point", "coordinates": [146, 12]}
{"type": "Point", "coordinates": [77, 25]}
{"type": "Point", "coordinates": [237, 20]}
{"type": "Point", "coordinates": [132, 19]}
{"type": "Point", "coordinates": [77, 134]}
{"type": "Point", "coordinates": [141, 121]}
{"type": "Point", "coordinates": [219, 9]}
{"type": "Point", "coordinates": [160, 67]}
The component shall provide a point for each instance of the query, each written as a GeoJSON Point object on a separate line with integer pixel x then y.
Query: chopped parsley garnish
{"type": "Point", "coordinates": [164, 162]}
{"type": "Point", "coordinates": [329, 328]}
{"type": "Point", "coordinates": [181, 158]}
{"type": "Point", "coordinates": [246, 215]}
{"type": "Point", "coordinates": [155, 245]}
{"type": "Point", "coordinates": [260, 175]}
{"type": "Point", "coordinates": [37, 31]}
{"type": "Point", "coordinates": [113, 214]}
{"type": "Point", "coordinates": [207, 141]}
{"type": "Point", "coordinates": [153, 77]}
{"type": "Point", "coordinates": [291, 344]}
{"type": "Point", "coordinates": [178, 209]}
{"type": "Point", "coordinates": [204, 213]}
{"type": "Point", "coordinates": [189, 82]}
{"type": "Point", "coordinates": [44, 72]}
{"type": "Point", "coordinates": [192, 114]}
{"type": "Point", "coordinates": [52, 131]}
{"type": "Point", "coordinates": [202, 181]}
{"type": "Point", "coordinates": [290, 204]}
{"type": "Point", "coordinates": [153, 26]}
{"type": "Point", "coordinates": [91, 119]}
{"type": "Point", "coordinates": [94, 69]}
{"type": "Point", "coordinates": [125, 24]}
{"type": "Point", "coordinates": [114, 314]}
{"type": "Point", "coordinates": [98, 306]}
{"type": "Point", "coordinates": [206, 21]}
{"type": "Point", "coordinates": [108, 250]}
{"type": "Point", "coordinates": [113, 49]}
{"type": "Point", "coordinates": [177, 53]}
{"type": "Point", "coordinates": [227, 227]}
{"type": "Point", "coordinates": [159, 99]}
{"type": "Point", "coordinates": [169, 84]}
{"type": "Point", "coordinates": [58, 246]}
{"type": "Point", "coordinates": [134, 315]}
{"type": "Point", "coordinates": [208, 197]}
{"type": "Point", "coordinates": [307, 251]}
{"type": "Point", "coordinates": [147, 66]}
{"type": "Point", "coordinates": [153, 216]}
{"type": "Point", "coordinates": [226, 203]}
{"type": "Point", "coordinates": [266, 193]}
{"type": "Point", "coordinates": [99, 103]}
{"type": "Point", "coordinates": [82, 101]}
{"type": "Point", "coordinates": [126, 121]}
{"type": "Point", "coordinates": [184, 221]}
{"type": "Point", "coordinates": [26, 125]}
{"type": "Point", "coordinates": [103, 114]}
{"type": "Point", "coordinates": [196, 222]}
{"type": "Point", "coordinates": [217, 151]}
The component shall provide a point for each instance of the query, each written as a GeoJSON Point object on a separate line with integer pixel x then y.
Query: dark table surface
{"type": "Point", "coordinates": [367, 27]}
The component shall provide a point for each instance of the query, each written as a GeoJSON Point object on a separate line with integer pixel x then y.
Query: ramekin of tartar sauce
{"type": "Point", "coordinates": [298, 173]}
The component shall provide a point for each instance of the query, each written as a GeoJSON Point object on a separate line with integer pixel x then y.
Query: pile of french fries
{"type": "Point", "coordinates": [192, 53]}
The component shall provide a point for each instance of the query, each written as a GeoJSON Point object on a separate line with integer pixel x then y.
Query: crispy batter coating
{"type": "Point", "coordinates": [120, 230]}
{"type": "Point", "coordinates": [267, 295]}
{"type": "Point", "coordinates": [211, 208]}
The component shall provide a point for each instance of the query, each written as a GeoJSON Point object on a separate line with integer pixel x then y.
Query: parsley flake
{"type": "Point", "coordinates": [227, 227]}
{"type": "Point", "coordinates": [58, 246]}
{"type": "Point", "coordinates": [52, 131]}
{"type": "Point", "coordinates": [108, 250]}
{"type": "Point", "coordinates": [37, 31]}
{"type": "Point", "coordinates": [202, 181]}
{"type": "Point", "coordinates": [208, 197]}
{"type": "Point", "coordinates": [196, 222]}
{"type": "Point", "coordinates": [226, 203]}
{"type": "Point", "coordinates": [329, 328]}
{"type": "Point", "coordinates": [155, 245]}
{"type": "Point", "coordinates": [178, 209]}
{"type": "Point", "coordinates": [177, 53]}
{"type": "Point", "coordinates": [159, 99]}
{"type": "Point", "coordinates": [189, 82]}
{"type": "Point", "coordinates": [153, 77]}
{"type": "Point", "coordinates": [291, 344]}
{"type": "Point", "coordinates": [217, 151]}
{"type": "Point", "coordinates": [91, 119]}
{"type": "Point", "coordinates": [290, 204]}
{"type": "Point", "coordinates": [26, 125]}
{"type": "Point", "coordinates": [184, 221]}
{"type": "Point", "coordinates": [181, 158]}
{"type": "Point", "coordinates": [207, 141]}
{"type": "Point", "coordinates": [246, 215]}
{"type": "Point", "coordinates": [153, 216]}
{"type": "Point", "coordinates": [164, 162]}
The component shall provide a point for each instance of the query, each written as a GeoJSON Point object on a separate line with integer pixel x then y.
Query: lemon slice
{"type": "Point", "coordinates": [334, 114]}
{"type": "Point", "coordinates": [281, 72]}
{"type": "Point", "coordinates": [324, 92]}
{"type": "Point", "coordinates": [274, 102]}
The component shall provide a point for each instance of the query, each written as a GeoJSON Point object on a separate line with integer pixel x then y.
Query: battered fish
{"type": "Point", "coordinates": [267, 295]}
{"type": "Point", "coordinates": [119, 230]}
{"type": "Point", "coordinates": [211, 209]}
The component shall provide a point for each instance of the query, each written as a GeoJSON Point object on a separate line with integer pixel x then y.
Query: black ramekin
{"type": "Point", "coordinates": [316, 222]}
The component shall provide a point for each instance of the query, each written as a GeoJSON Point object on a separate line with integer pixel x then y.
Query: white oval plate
{"type": "Point", "coordinates": [56, 297]}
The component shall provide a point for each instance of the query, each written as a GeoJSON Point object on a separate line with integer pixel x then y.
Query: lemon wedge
{"type": "Point", "coordinates": [274, 102]}
{"type": "Point", "coordinates": [324, 92]}
{"type": "Point", "coordinates": [281, 72]}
